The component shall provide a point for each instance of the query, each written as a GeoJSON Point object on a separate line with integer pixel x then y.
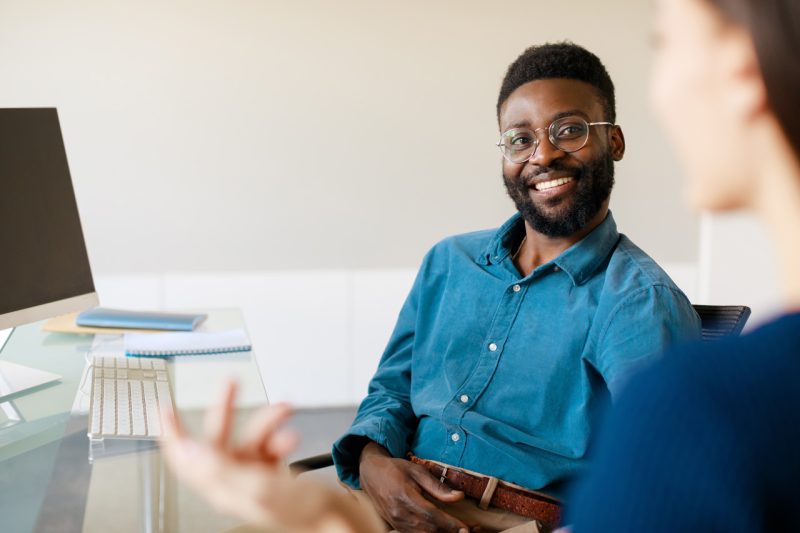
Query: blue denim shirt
{"type": "Point", "coordinates": [504, 375]}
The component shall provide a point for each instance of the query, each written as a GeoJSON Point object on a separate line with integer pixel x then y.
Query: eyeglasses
{"type": "Point", "coordinates": [568, 134]}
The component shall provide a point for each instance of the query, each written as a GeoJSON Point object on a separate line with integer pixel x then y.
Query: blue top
{"type": "Point", "coordinates": [501, 374]}
{"type": "Point", "coordinates": [708, 440]}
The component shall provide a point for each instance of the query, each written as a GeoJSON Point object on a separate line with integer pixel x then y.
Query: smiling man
{"type": "Point", "coordinates": [513, 339]}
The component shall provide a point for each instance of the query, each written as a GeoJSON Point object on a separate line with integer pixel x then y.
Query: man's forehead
{"type": "Point", "coordinates": [539, 102]}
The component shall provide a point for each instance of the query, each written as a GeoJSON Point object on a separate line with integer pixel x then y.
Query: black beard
{"type": "Point", "coordinates": [593, 182]}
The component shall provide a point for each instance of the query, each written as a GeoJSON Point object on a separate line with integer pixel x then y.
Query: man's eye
{"type": "Point", "coordinates": [518, 140]}
{"type": "Point", "coordinates": [569, 131]}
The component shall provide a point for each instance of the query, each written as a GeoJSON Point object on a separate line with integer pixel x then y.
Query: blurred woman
{"type": "Point", "coordinates": [707, 440]}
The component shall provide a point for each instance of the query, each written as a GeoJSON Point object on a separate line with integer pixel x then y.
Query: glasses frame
{"type": "Point", "coordinates": [550, 137]}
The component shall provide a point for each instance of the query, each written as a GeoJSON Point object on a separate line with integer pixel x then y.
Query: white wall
{"type": "Point", "coordinates": [208, 135]}
{"type": "Point", "coordinates": [738, 266]}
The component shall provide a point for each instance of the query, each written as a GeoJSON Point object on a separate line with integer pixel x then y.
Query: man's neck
{"type": "Point", "coordinates": [538, 249]}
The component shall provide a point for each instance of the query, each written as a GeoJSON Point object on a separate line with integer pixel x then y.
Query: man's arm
{"type": "Point", "coordinates": [385, 416]}
{"type": "Point", "coordinates": [640, 329]}
{"type": "Point", "coordinates": [371, 455]}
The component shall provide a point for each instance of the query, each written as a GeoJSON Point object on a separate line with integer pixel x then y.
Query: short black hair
{"type": "Point", "coordinates": [560, 60]}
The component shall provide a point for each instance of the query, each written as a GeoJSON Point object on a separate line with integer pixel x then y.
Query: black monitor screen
{"type": "Point", "coordinates": [43, 256]}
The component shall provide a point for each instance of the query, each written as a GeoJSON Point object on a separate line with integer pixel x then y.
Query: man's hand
{"type": "Point", "coordinates": [396, 488]}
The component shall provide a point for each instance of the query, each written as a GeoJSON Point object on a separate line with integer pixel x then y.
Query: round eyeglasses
{"type": "Point", "coordinates": [568, 134]}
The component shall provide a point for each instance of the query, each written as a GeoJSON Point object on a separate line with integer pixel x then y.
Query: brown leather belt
{"type": "Point", "coordinates": [492, 491]}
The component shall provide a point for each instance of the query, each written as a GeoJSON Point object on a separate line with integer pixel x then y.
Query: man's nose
{"type": "Point", "coordinates": [546, 152]}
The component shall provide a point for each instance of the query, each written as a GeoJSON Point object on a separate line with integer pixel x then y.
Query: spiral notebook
{"type": "Point", "coordinates": [186, 343]}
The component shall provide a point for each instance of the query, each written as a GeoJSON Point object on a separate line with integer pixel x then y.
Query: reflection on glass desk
{"type": "Point", "coordinates": [53, 479]}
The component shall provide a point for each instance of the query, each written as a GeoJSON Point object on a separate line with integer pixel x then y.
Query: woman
{"type": "Point", "coordinates": [706, 440]}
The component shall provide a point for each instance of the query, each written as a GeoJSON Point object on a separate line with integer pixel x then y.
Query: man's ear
{"type": "Point", "coordinates": [617, 140]}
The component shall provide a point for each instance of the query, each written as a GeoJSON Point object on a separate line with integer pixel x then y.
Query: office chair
{"type": "Point", "coordinates": [717, 321]}
{"type": "Point", "coordinates": [311, 463]}
{"type": "Point", "coordinates": [721, 320]}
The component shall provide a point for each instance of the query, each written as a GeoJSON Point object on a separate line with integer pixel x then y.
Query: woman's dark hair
{"type": "Point", "coordinates": [774, 26]}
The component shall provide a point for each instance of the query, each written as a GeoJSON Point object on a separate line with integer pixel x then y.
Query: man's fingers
{"type": "Point", "coordinates": [432, 515]}
{"type": "Point", "coordinates": [219, 418]}
{"type": "Point", "coordinates": [434, 487]}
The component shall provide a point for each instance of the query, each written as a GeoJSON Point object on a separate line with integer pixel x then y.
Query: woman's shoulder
{"type": "Point", "coordinates": [767, 352]}
{"type": "Point", "coordinates": [712, 425]}
{"type": "Point", "coordinates": [746, 380]}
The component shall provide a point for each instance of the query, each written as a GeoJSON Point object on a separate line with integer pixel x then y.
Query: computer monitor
{"type": "Point", "coordinates": [44, 267]}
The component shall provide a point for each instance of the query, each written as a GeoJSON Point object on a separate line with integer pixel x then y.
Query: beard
{"type": "Point", "coordinates": [593, 184]}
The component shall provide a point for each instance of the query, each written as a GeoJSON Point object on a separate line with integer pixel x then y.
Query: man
{"type": "Point", "coordinates": [512, 339]}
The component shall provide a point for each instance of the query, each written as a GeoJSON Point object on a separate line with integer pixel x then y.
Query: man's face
{"type": "Point", "coordinates": [582, 179]}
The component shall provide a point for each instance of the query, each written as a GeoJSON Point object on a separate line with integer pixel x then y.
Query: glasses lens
{"type": "Point", "coordinates": [518, 144]}
{"type": "Point", "coordinates": [569, 133]}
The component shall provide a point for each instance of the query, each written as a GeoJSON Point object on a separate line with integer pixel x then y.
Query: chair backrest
{"type": "Point", "coordinates": [722, 320]}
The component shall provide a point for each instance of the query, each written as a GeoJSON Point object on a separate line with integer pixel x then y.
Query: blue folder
{"type": "Point", "coordinates": [103, 317]}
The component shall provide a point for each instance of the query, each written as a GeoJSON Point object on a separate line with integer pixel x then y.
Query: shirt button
{"type": "Point", "coordinates": [556, 269]}
{"type": "Point", "coordinates": [492, 347]}
{"type": "Point", "coordinates": [455, 437]}
{"type": "Point", "coordinates": [464, 398]}
{"type": "Point", "coordinates": [516, 288]}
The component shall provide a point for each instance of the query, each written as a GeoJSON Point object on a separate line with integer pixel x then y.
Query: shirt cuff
{"type": "Point", "coordinates": [347, 450]}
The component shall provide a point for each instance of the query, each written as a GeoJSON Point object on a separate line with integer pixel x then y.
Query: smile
{"type": "Point", "coordinates": [544, 185]}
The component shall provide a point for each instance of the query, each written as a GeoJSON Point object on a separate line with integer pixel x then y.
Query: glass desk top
{"type": "Point", "coordinates": [53, 479]}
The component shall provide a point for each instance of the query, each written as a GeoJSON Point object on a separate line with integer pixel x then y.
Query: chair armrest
{"type": "Point", "coordinates": [311, 463]}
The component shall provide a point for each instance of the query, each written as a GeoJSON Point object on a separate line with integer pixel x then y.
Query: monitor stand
{"type": "Point", "coordinates": [16, 379]}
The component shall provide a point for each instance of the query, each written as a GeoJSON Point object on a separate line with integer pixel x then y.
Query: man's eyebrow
{"type": "Point", "coordinates": [518, 124]}
{"type": "Point", "coordinates": [568, 113]}
{"type": "Point", "coordinates": [571, 113]}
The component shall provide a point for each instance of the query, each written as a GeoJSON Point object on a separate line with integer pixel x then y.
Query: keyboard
{"type": "Point", "coordinates": [126, 395]}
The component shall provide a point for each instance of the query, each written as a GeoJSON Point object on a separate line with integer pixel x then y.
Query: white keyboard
{"type": "Point", "coordinates": [127, 393]}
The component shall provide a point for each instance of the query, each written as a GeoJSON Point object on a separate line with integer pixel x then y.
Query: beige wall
{"type": "Point", "coordinates": [252, 135]}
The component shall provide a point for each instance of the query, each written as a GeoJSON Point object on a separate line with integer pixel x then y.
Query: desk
{"type": "Point", "coordinates": [47, 482]}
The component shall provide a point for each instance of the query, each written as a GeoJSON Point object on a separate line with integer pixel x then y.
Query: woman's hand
{"type": "Point", "coordinates": [249, 480]}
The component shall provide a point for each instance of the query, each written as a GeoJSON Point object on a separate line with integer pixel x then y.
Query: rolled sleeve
{"type": "Point", "coordinates": [386, 431]}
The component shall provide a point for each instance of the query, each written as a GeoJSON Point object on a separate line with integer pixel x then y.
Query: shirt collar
{"type": "Point", "coordinates": [579, 261]}
{"type": "Point", "coordinates": [507, 236]}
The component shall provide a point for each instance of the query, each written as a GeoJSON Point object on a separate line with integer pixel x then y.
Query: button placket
{"type": "Point", "coordinates": [464, 400]}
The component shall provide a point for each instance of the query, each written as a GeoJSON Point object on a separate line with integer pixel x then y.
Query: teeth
{"type": "Point", "coordinates": [550, 184]}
